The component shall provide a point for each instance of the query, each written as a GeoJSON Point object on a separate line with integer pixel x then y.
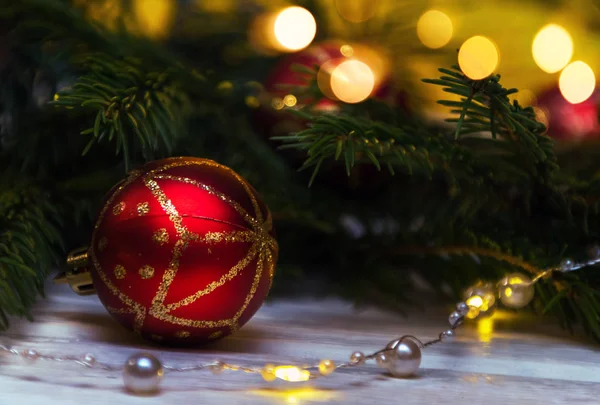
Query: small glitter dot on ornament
{"type": "Point", "coordinates": [120, 272]}
{"type": "Point", "coordinates": [516, 290]}
{"type": "Point", "coordinates": [142, 373]}
{"type": "Point", "coordinates": [146, 272]}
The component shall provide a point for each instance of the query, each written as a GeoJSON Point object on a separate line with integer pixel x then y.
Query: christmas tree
{"type": "Point", "coordinates": [391, 190]}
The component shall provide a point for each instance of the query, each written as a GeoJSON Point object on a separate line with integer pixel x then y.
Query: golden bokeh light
{"type": "Point", "coordinates": [292, 373]}
{"type": "Point", "coordinates": [577, 82]}
{"type": "Point", "coordinates": [294, 28]}
{"type": "Point", "coordinates": [347, 50]}
{"type": "Point", "coordinates": [552, 48]}
{"type": "Point", "coordinates": [357, 11]}
{"type": "Point", "coordinates": [434, 29]}
{"type": "Point", "coordinates": [478, 57]}
{"type": "Point", "coordinates": [154, 18]}
{"type": "Point", "coordinates": [352, 81]}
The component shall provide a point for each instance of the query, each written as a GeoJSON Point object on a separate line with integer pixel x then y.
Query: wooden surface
{"type": "Point", "coordinates": [523, 361]}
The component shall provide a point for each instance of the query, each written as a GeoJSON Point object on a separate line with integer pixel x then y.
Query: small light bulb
{"type": "Point", "coordinates": [478, 57]}
{"type": "Point", "coordinates": [291, 373]}
{"type": "Point", "coordinates": [552, 48]}
{"type": "Point", "coordinates": [577, 82]}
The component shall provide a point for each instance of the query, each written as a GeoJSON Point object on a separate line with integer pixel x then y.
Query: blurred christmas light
{"type": "Point", "coordinates": [154, 18]}
{"type": "Point", "coordinates": [347, 50]}
{"type": "Point", "coordinates": [577, 82]}
{"type": "Point", "coordinates": [434, 29]}
{"type": "Point", "coordinates": [478, 57]}
{"type": "Point", "coordinates": [291, 373]}
{"type": "Point", "coordinates": [352, 81]}
{"type": "Point", "coordinates": [357, 11]}
{"type": "Point", "coordinates": [552, 48]}
{"type": "Point", "coordinates": [290, 100]}
{"type": "Point", "coordinates": [294, 28]}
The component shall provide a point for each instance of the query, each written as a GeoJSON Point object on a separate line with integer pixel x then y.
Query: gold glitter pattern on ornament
{"type": "Point", "coordinates": [120, 272]}
{"type": "Point", "coordinates": [215, 335]}
{"type": "Point", "coordinates": [118, 208]}
{"type": "Point", "coordinates": [146, 272]}
{"type": "Point", "coordinates": [262, 248]}
{"type": "Point", "coordinates": [102, 244]}
{"type": "Point", "coordinates": [143, 208]}
{"type": "Point", "coordinates": [161, 236]}
{"type": "Point", "coordinates": [182, 334]}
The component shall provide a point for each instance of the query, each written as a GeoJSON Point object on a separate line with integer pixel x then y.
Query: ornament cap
{"type": "Point", "coordinates": [78, 276]}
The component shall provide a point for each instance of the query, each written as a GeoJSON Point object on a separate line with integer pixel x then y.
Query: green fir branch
{"type": "Point", "coordinates": [140, 112]}
{"type": "Point", "coordinates": [30, 243]}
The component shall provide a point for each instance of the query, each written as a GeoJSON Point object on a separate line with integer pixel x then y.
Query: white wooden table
{"type": "Point", "coordinates": [523, 361]}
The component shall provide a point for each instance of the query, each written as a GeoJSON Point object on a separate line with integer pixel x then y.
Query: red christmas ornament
{"type": "Point", "coordinates": [183, 251]}
{"type": "Point", "coordinates": [569, 121]}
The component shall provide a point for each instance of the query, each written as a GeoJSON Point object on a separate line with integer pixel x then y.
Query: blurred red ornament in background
{"type": "Point", "coordinates": [568, 121]}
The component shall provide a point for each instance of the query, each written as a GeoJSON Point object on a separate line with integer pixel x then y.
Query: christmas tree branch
{"type": "Point", "coordinates": [141, 111]}
{"type": "Point", "coordinates": [29, 244]}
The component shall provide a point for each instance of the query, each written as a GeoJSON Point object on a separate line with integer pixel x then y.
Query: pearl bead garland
{"type": "Point", "coordinates": [143, 373]}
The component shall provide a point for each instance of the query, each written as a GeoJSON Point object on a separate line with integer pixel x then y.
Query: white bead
{"type": "Point", "coordinates": [516, 290]}
{"type": "Point", "coordinates": [142, 373]}
{"type": "Point", "coordinates": [357, 358]}
{"type": "Point", "coordinates": [405, 359]}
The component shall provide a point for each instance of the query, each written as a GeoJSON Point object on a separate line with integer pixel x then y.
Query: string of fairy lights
{"type": "Point", "coordinates": [142, 373]}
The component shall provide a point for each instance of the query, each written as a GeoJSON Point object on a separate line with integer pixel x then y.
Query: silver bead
{"type": "Point", "coordinates": [516, 290]}
{"type": "Point", "coordinates": [31, 354]}
{"type": "Point", "coordinates": [142, 373]}
{"type": "Point", "coordinates": [462, 308]}
{"type": "Point", "coordinates": [455, 318]}
{"type": "Point", "coordinates": [448, 335]}
{"type": "Point", "coordinates": [405, 359]}
{"type": "Point", "coordinates": [383, 359]}
{"type": "Point", "coordinates": [567, 264]}
{"type": "Point", "coordinates": [357, 358]}
{"type": "Point", "coordinates": [89, 360]}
